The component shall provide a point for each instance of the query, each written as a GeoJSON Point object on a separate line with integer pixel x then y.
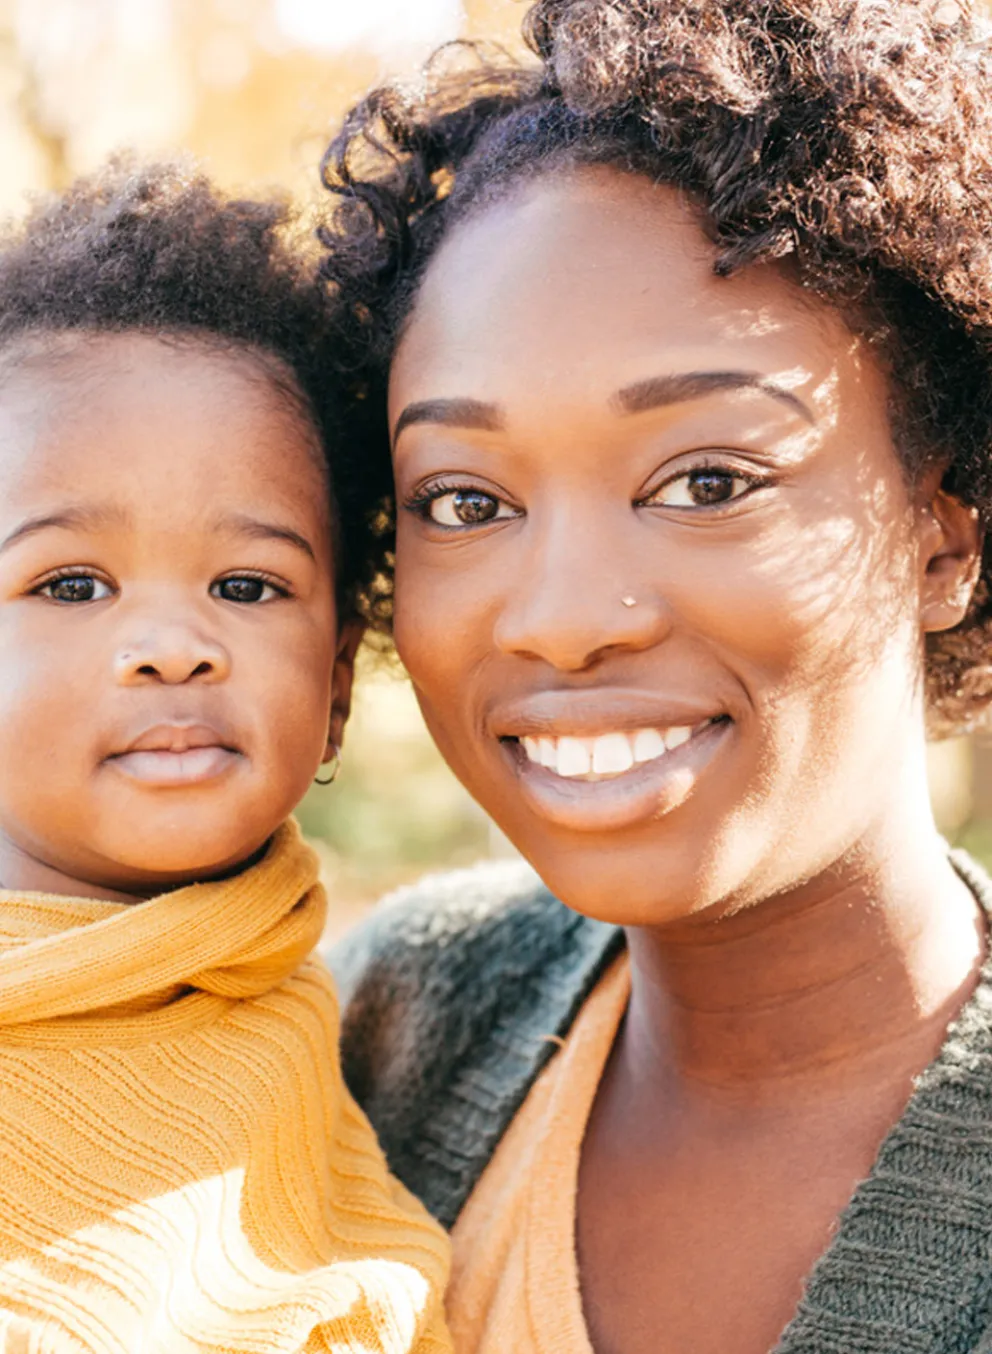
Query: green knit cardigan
{"type": "Point", "coordinates": [453, 995]}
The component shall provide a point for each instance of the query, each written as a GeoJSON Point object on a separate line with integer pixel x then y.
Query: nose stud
{"type": "Point", "coordinates": [627, 600]}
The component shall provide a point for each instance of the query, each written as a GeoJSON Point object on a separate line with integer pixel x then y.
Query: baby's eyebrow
{"type": "Point", "coordinates": [266, 531]}
{"type": "Point", "coordinates": [68, 519]}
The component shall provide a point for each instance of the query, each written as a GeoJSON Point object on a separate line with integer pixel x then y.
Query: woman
{"type": "Point", "coordinates": [688, 342]}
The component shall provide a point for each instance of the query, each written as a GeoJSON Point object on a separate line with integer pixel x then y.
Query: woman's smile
{"type": "Point", "coordinates": [602, 758]}
{"type": "Point", "coordinates": [615, 779]}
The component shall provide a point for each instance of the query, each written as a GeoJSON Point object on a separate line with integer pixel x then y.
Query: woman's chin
{"type": "Point", "coordinates": [653, 882]}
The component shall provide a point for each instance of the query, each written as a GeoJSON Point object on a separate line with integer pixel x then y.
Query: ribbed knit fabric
{"type": "Point", "coordinates": [488, 971]}
{"type": "Point", "coordinates": [181, 1167]}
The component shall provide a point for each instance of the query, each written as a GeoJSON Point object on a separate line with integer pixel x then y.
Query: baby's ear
{"type": "Point", "coordinates": [349, 638]}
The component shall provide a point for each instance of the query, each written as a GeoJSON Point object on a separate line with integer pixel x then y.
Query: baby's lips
{"type": "Point", "coordinates": [179, 736]}
{"type": "Point", "coordinates": [165, 767]}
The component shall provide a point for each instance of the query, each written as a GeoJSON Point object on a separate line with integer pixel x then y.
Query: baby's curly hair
{"type": "Point", "coordinates": [159, 249]}
{"type": "Point", "coordinates": [852, 137]}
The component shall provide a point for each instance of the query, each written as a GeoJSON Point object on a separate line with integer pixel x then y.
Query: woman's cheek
{"type": "Point", "coordinates": [819, 592]}
{"type": "Point", "coordinates": [440, 607]}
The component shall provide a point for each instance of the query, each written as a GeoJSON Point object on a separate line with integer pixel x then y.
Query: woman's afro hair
{"type": "Point", "coordinates": [159, 249]}
{"type": "Point", "coordinates": [851, 137]}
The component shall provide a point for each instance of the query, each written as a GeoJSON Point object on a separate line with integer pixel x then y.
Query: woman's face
{"type": "Point", "coordinates": [661, 580]}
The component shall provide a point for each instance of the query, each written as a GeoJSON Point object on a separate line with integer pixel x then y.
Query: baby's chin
{"type": "Point", "coordinates": [143, 873]}
{"type": "Point", "coordinates": [139, 841]}
{"type": "Point", "coordinates": [159, 858]}
{"type": "Point", "coordinates": [98, 871]}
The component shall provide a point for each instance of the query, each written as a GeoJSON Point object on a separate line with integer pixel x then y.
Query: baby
{"type": "Point", "coordinates": [181, 1168]}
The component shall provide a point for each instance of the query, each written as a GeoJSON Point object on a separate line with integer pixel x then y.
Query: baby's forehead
{"type": "Point", "coordinates": [155, 420]}
{"type": "Point", "coordinates": [66, 358]}
{"type": "Point", "coordinates": [45, 374]}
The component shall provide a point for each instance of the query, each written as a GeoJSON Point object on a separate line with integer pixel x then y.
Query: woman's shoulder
{"type": "Point", "coordinates": [454, 992]}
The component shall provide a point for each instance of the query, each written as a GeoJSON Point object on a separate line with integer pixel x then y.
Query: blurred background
{"type": "Point", "coordinates": [253, 88]}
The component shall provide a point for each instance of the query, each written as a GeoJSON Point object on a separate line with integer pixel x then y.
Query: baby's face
{"type": "Point", "coordinates": [168, 635]}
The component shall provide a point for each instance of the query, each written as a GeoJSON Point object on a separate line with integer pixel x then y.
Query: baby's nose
{"type": "Point", "coordinates": [172, 655]}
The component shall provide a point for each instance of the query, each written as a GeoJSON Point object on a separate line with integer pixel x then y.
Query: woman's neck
{"type": "Point", "coordinates": [856, 970]}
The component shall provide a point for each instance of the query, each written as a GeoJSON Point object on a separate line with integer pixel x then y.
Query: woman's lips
{"type": "Point", "coordinates": [662, 773]}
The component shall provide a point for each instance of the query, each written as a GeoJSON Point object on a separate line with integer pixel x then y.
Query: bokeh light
{"type": "Point", "coordinates": [379, 25]}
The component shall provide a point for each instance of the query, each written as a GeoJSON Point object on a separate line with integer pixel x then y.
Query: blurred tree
{"type": "Point", "coordinates": [252, 87]}
{"type": "Point", "coordinates": [33, 155]}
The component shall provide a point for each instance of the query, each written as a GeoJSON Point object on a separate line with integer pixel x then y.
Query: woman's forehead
{"type": "Point", "coordinates": [593, 282]}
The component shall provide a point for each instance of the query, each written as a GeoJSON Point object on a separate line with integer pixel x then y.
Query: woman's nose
{"type": "Point", "coordinates": [578, 605]}
{"type": "Point", "coordinates": [171, 654]}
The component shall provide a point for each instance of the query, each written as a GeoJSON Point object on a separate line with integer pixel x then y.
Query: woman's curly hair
{"type": "Point", "coordinates": [158, 249]}
{"type": "Point", "coordinates": [853, 137]}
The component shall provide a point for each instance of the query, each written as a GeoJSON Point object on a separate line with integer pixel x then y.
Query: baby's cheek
{"type": "Point", "coordinates": [50, 704]}
{"type": "Point", "coordinates": [291, 699]}
{"type": "Point", "coordinates": [48, 767]}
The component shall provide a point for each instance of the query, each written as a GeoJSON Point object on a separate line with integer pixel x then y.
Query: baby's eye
{"type": "Point", "coordinates": [245, 588]}
{"type": "Point", "coordinates": [76, 588]}
{"type": "Point", "coordinates": [467, 508]}
{"type": "Point", "coordinates": [701, 489]}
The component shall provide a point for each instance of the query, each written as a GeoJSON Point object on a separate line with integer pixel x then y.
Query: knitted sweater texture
{"type": "Point", "coordinates": [455, 994]}
{"type": "Point", "coordinates": [181, 1167]}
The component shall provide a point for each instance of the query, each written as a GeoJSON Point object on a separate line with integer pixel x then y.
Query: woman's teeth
{"type": "Point", "coordinates": [611, 754]}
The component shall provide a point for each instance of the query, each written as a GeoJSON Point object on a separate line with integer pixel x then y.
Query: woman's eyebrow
{"type": "Point", "coordinates": [455, 413]}
{"type": "Point", "coordinates": [635, 399]}
{"type": "Point", "coordinates": [658, 391]}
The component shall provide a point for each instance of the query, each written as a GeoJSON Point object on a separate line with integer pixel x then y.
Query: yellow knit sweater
{"type": "Point", "coordinates": [181, 1167]}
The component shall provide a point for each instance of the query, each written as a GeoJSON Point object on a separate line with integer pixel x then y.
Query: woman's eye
{"type": "Point", "coordinates": [467, 508]}
{"type": "Point", "coordinates": [76, 588]}
{"type": "Point", "coordinates": [245, 588]}
{"type": "Point", "coordinates": [700, 489]}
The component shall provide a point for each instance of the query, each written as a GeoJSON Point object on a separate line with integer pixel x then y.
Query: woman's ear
{"type": "Point", "coordinates": [950, 555]}
{"type": "Point", "coordinates": [341, 683]}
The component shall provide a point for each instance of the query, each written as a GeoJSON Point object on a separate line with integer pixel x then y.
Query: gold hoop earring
{"type": "Point", "coordinates": [335, 768]}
